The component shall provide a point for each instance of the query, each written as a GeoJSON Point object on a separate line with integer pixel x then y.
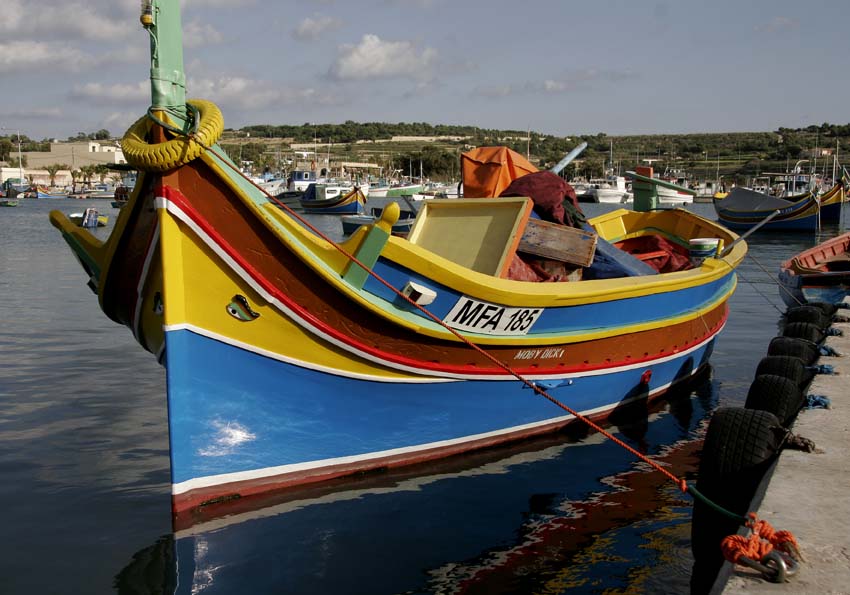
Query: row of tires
{"type": "Point", "coordinates": [742, 442]}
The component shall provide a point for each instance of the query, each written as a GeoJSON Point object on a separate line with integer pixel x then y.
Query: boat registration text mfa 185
{"type": "Point", "coordinates": [483, 317]}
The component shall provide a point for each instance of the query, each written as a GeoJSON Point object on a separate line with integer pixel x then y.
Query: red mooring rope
{"type": "Point", "coordinates": [680, 482]}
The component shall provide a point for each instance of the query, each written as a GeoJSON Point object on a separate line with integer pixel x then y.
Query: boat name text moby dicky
{"type": "Point", "coordinates": [549, 353]}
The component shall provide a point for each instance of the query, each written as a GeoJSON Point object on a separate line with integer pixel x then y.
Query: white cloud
{"type": "Point", "coordinates": [551, 86]}
{"type": "Point", "coordinates": [415, 3]}
{"type": "Point", "coordinates": [234, 91]}
{"type": "Point", "coordinates": [16, 56]}
{"type": "Point", "coordinates": [776, 24]}
{"type": "Point", "coordinates": [118, 122]}
{"type": "Point", "coordinates": [569, 82]}
{"type": "Point", "coordinates": [494, 91]}
{"type": "Point", "coordinates": [35, 113]}
{"type": "Point", "coordinates": [14, 15]}
{"type": "Point", "coordinates": [239, 93]}
{"type": "Point", "coordinates": [62, 20]}
{"type": "Point", "coordinates": [217, 3]}
{"type": "Point", "coordinates": [137, 54]}
{"type": "Point", "coordinates": [126, 93]}
{"type": "Point", "coordinates": [312, 28]}
{"type": "Point", "coordinates": [374, 58]}
{"type": "Point", "coordinates": [579, 79]}
{"type": "Point", "coordinates": [196, 34]}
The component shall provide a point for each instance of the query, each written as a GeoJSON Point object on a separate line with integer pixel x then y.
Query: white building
{"type": "Point", "coordinates": [71, 154]}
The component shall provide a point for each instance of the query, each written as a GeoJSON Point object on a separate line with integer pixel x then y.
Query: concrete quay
{"type": "Point", "coordinates": [809, 493]}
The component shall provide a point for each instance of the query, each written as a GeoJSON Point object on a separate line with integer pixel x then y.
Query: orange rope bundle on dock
{"type": "Point", "coordinates": [753, 551]}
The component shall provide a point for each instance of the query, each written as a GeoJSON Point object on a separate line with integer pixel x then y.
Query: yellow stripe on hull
{"type": "Point", "coordinates": [329, 262]}
{"type": "Point", "coordinates": [195, 275]}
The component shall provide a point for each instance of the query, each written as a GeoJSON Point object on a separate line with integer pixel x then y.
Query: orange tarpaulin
{"type": "Point", "coordinates": [487, 171]}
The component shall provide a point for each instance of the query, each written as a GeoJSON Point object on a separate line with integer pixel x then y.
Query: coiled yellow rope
{"type": "Point", "coordinates": [161, 157]}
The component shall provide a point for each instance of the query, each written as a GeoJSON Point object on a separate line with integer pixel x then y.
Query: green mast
{"type": "Point", "coordinates": [161, 18]}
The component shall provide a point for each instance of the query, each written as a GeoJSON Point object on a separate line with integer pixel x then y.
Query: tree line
{"type": "Point", "coordinates": [350, 131]}
{"type": "Point", "coordinates": [743, 153]}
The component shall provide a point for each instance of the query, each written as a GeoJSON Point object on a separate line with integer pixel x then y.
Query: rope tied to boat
{"type": "Point", "coordinates": [204, 124]}
{"type": "Point", "coordinates": [818, 402]}
{"type": "Point", "coordinates": [775, 554]}
{"type": "Point", "coordinates": [824, 369]}
{"type": "Point", "coordinates": [680, 482]}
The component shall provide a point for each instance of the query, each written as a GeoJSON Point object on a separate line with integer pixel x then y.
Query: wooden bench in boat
{"type": "Point", "coordinates": [558, 242]}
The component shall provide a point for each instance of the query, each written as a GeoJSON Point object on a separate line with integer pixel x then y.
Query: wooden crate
{"type": "Point", "coordinates": [479, 233]}
{"type": "Point", "coordinates": [558, 242]}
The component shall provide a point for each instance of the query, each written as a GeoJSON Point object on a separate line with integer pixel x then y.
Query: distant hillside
{"type": "Point", "coordinates": [404, 146]}
{"type": "Point", "coordinates": [438, 147]}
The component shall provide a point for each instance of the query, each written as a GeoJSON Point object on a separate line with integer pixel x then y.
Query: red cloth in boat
{"type": "Point", "coordinates": [662, 255]}
{"type": "Point", "coordinates": [548, 192]}
{"type": "Point", "coordinates": [540, 270]}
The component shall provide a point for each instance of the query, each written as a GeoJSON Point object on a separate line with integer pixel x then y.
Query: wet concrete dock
{"type": "Point", "coordinates": [809, 493]}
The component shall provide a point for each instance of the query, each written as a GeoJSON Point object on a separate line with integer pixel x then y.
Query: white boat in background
{"type": "Point", "coordinates": [708, 189]}
{"type": "Point", "coordinates": [378, 189]}
{"type": "Point", "coordinates": [442, 190]}
{"type": "Point", "coordinates": [299, 180]}
{"type": "Point", "coordinates": [101, 191]}
{"type": "Point", "coordinates": [668, 196]}
{"type": "Point", "coordinates": [610, 189]}
{"type": "Point", "coordinates": [274, 186]}
{"type": "Point", "coordinates": [580, 186]}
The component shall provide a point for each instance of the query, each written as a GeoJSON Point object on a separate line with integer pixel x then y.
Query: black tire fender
{"type": "Point", "coordinates": [804, 330]}
{"type": "Point", "coordinates": [786, 366]}
{"type": "Point", "coordinates": [827, 308]}
{"type": "Point", "coordinates": [806, 351]}
{"type": "Point", "coordinates": [740, 445]}
{"type": "Point", "coordinates": [775, 394]}
{"type": "Point", "coordinates": [811, 314]}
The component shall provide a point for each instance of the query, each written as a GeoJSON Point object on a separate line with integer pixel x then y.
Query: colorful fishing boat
{"type": "Point", "coordinates": [397, 189]}
{"type": "Point", "coordinates": [743, 209]}
{"type": "Point", "coordinates": [350, 223]}
{"type": "Point", "coordinates": [8, 202]}
{"type": "Point", "coordinates": [122, 195]}
{"type": "Point", "coordinates": [332, 199]}
{"type": "Point", "coordinates": [42, 192]}
{"type": "Point", "coordinates": [818, 274]}
{"type": "Point", "coordinates": [291, 359]}
{"type": "Point", "coordinates": [832, 202]}
{"type": "Point", "coordinates": [88, 218]}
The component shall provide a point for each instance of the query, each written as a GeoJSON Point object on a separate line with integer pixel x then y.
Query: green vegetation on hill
{"type": "Point", "coordinates": [732, 156]}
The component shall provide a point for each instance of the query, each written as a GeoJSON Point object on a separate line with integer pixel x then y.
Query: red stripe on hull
{"type": "Point", "coordinates": [120, 292]}
{"type": "Point", "coordinates": [374, 331]}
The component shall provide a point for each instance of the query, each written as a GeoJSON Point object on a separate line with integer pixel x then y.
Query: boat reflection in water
{"type": "Point", "coordinates": [548, 515]}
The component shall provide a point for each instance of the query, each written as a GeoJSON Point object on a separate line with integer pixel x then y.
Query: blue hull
{"type": "Point", "coordinates": [232, 411]}
{"type": "Point", "coordinates": [796, 290]}
{"type": "Point", "coordinates": [831, 213]}
{"type": "Point", "coordinates": [623, 312]}
{"type": "Point", "coordinates": [351, 208]}
{"type": "Point", "coordinates": [802, 224]}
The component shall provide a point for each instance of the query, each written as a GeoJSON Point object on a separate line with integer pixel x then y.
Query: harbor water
{"type": "Point", "coordinates": [85, 469]}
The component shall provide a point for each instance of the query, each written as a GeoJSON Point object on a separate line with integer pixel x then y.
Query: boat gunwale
{"type": "Point", "coordinates": [324, 258]}
{"type": "Point", "coordinates": [423, 326]}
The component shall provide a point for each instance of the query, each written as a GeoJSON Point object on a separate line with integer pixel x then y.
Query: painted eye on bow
{"type": "Point", "coordinates": [157, 304]}
{"type": "Point", "coordinates": [240, 309]}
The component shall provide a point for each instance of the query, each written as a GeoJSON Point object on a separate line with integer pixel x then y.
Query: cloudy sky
{"type": "Point", "coordinates": [556, 66]}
